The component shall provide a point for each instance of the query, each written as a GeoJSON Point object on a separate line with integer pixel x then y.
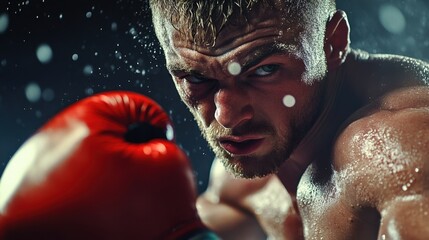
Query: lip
{"type": "Point", "coordinates": [241, 145]}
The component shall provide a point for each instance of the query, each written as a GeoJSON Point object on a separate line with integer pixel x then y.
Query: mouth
{"type": "Point", "coordinates": [241, 146]}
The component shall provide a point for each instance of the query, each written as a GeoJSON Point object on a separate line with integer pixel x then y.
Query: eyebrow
{"type": "Point", "coordinates": [253, 58]}
{"type": "Point", "coordinates": [264, 51]}
{"type": "Point", "coordinates": [178, 69]}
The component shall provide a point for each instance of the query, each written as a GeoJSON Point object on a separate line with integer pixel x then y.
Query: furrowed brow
{"type": "Point", "coordinates": [265, 51]}
{"type": "Point", "coordinates": [178, 70]}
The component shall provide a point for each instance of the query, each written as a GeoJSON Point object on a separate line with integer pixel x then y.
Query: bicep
{"type": "Point", "coordinates": [387, 152]}
{"type": "Point", "coordinates": [405, 218]}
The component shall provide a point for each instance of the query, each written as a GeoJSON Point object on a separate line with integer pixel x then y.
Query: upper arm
{"type": "Point", "coordinates": [384, 158]}
{"type": "Point", "coordinates": [405, 217]}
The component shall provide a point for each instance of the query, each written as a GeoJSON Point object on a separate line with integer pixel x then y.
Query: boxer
{"type": "Point", "coordinates": [281, 97]}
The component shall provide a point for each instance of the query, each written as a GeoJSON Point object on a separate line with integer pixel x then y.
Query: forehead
{"type": "Point", "coordinates": [207, 29]}
{"type": "Point", "coordinates": [283, 28]}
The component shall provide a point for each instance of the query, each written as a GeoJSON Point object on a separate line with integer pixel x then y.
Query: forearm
{"type": "Point", "coordinates": [228, 222]}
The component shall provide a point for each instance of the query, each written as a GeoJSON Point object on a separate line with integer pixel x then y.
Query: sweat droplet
{"type": "Point", "coordinates": [234, 68]}
{"type": "Point", "coordinates": [289, 101]}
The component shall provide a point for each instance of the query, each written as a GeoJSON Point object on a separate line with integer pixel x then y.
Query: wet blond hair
{"type": "Point", "coordinates": [202, 20]}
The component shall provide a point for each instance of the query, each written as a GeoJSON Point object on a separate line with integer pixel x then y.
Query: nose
{"type": "Point", "coordinates": [233, 107]}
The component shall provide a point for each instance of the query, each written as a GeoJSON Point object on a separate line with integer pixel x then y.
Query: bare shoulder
{"type": "Point", "coordinates": [383, 153]}
{"type": "Point", "coordinates": [390, 65]}
{"type": "Point", "coordinates": [373, 75]}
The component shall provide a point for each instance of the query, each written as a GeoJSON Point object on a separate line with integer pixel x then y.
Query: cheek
{"type": "Point", "coordinates": [203, 113]}
{"type": "Point", "coordinates": [182, 93]}
{"type": "Point", "coordinates": [273, 111]}
{"type": "Point", "coordinates": [202, 110]}
{"type": "Point", "coordinates": [286, 107]}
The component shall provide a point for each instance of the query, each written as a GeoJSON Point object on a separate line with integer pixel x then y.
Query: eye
{"type": "Point", "coordinates": [266, 70]}
{"type": "Point", "coordinates": [195, 87]}
{"type": "Point", "coordinates": [193, 79]}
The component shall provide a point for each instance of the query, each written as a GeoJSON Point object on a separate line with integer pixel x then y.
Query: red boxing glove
{"type": "Point", "coordinates": [105, 168]}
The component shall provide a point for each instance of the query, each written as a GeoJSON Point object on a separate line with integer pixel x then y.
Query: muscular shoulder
{"type": "Point", "coordinates": [383, 152]}
{"type": "Point", "coordinates": [373, 75]}
{"type": "Point", "coordinates": [388, 66]}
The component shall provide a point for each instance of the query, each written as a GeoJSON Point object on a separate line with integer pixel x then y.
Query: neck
{"type": "Point", "coordinates": [316, 141]}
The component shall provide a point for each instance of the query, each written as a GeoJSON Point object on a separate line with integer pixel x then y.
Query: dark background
{"type": "Point", "coordinates": [100, 45]}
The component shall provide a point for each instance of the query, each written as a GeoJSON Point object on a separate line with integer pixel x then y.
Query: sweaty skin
{"type": "Point", "coordinates": [248, 208]}
{"type": "Point", "coordinates": [350, 155]}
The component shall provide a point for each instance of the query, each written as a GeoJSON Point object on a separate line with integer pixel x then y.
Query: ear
{"type": "Point", "coordinates": [337, 39]}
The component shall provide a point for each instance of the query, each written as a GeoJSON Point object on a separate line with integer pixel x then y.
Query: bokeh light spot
{"type": "Point", "coordinates": [289, 101]}
{"type": "Point", "coordinates": [33, 92]}
{"type": "Point", "coordinates": [392, 19]}
{"type": "Point", "coordinates": [44, 53]}
{"type": "Point", "coordinates": [4, 22]}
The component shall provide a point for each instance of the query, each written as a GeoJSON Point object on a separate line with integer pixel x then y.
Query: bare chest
{"type": "Point", "coordinates": [330, 211]}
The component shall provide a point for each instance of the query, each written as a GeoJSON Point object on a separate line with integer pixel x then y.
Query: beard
{"type": "Point", "coordinates": [250, 166]}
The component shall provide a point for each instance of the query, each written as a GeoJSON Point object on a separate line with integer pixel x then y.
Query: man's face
{"type": "Point", "coordinates": [255, 94]}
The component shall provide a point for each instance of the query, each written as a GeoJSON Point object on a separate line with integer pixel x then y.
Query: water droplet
{"type": "Point", "coordinates": [404, 187]}
{"type": "Point", "coordinates": [4, 22]}
{"type": "Point", "coordinates": [392, 19]}
{"type": "Point", "coordinates": [133, 31]}
{"type": "Point", "coordinates": [169, 132]}
{"type": "Point", "coordinates": [114, 26]}
{"type": "Point", "coordinates": [33, 92]}
{"type": "Point", "coordinates": [289, 101]}
{"type": "Point", "coordinates": [87, 70]}
{"type": "Point", "coordinates": [234, 68]}
{"type": "Point", "coordinates": [44, 53]}
{"type": "Point", "coordinates": [88, 14]}
{"type": "Point", "coordinates": [48, 95]}
{"type": "Point", "coordinates": [75, 57]}
{"type": "Point", "coordinates": [417, 170]}
{"type": "Point", "coordinates": [89, 91]}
